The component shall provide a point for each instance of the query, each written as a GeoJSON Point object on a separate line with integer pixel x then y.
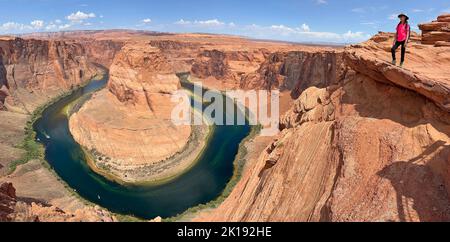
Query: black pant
{"type": "Point", "coordinates": [395, 47]}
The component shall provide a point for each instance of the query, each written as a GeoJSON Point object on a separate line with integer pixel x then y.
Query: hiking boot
{"type": "Point", "coordinates": [401, 64]}
{"type": "Point", "coordinates": [394, 62]}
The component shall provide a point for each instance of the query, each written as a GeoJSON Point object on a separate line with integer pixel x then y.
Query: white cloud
{"type": "Point", "coordinates": [283, 32]}
{"type": "Point", "coordinates": [182, 22]}
{"type": "Point", "coordinates": [301, 33]}
{"type": "Point", "coordinates": [210, 23]}
{"type": "Point", "coordinates": [51, 27]}
{"type": "Point", "coordinates": [146, 21]}
{"type": "Point", "coordinates": [416, 10]}
{"type": "Point", "coordinates": [354, 35]}
{"type": "Point", "coordinates": [305, 28]}
{"type": "Point", "coordinates": [79, 16]}
{"type": "Point", "coordinates": [321, 2]}
{"type": "Point", "coordinates": [33, 26]}
{"type": "Point", "coordinates": [393, 16]}
{"type": "Point", "coordinates": [37, 24]}
{"type": "Point", "coordinates": [65, 26]}
{"type": "Point", "coordinates": [13, 27]}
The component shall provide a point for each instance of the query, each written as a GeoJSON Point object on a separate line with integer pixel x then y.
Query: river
{"type": "Point", "coordinates": [201, 184]}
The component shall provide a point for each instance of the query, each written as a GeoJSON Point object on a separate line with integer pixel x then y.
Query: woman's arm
{"type": "Point", "coordinates": [408, 35]}
{"type": "Point", "coordinates": [395, 37]}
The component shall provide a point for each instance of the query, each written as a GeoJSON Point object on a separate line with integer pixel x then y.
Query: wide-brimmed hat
{"type": "Point", "coordinates": [402, 14]}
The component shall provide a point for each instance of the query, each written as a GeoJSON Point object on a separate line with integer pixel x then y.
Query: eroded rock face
{"type": "Point", "coordinates": [437, 32]}
{"type": "Point", "coordinates": [13, 209]}
{"type": "Point", "coordinates": [367, 148]}
{"type": "Point", "coordinates": [129, 123]}
{"type": "Point", "coordinates": [426, 68]}
{"type": "Point", "coordinates": [227, 65]}
{"type": "Point", "coordinates": [7, 201]}
{"type": "Point", "coordinates": [211, 63]}
{"type": "Point", "coordinates": [123, 124]}
{"type": "Point", "coordinates": [295, 71]}
{"type": "Point", "coordinates": [33, 71]}
{"type": "Point", "coordinates": [101, 52]}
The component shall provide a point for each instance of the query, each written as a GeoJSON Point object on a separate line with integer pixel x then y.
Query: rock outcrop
{"type": "Point", "coordinates": [374, 146]}
{"type": "Point", "coordinates": [426, 68]}
{"type": "Point", "coordinates": [224, 65]}
{"type": "Point", "coordinates": [128, 125]}
{"type": "Point", "coordinates": [123, 126]}
{"type": "Point", "coordinates": [14, 209]}
{"type": "Point", "coordinates": [33, 71]}
{"type": "Point", "coordinates": [211, 63]}
{"type": "Point", "coordinates": [437, 32]}
{"type": "Point", "coordinates": [363, 141]}
{"type": "Point", "coordinates": [295, 71]}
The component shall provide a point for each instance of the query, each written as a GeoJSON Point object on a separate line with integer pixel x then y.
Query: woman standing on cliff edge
{"type": "Point", "coordinates": [401, 38]}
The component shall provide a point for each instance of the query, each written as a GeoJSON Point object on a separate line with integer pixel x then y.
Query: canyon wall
{"type": "Point", "coordinates": [34, 71]}
{"type": "Point", "coordinates": [128, 125]}
{"type": "Point", "coordinates": [295, 71]}
{"type": "Point", "coordinates": [16, 209]}
{"type": "Point", "coordinates": [373, 146]}
{"type": "Point", "coordinates": [227, 65]}
{"type": "Point", "coordinates": [364, 140]}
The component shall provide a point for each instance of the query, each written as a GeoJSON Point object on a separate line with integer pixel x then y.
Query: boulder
{"type": "Point", "coordinates": [436, 31]}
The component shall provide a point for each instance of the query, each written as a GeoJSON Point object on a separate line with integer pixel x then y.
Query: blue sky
{"type": "Point", "coordinates": [291, 20]}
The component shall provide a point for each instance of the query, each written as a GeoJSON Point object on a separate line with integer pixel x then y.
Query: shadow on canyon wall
{"type": "Point", "coordinates": [372, 99]}
{"type": "Point", "coordinates": [422, 183]}
{"type": "Point", "coordinates": [3, 81]}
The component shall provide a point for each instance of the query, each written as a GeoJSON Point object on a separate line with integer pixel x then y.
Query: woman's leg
{"type": "Point", "coordinates": [403, 51]}
{"type": "Point", "coordinates": [394, 48]}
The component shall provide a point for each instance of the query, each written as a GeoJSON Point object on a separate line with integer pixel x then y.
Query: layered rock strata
{"type": "Point", "coordinates": [128, 126]}
{"type": "Point", "coordinates": [34, 71]}
{"type": "Point", "coordinates": [375, 146]}
{"type": "Point", "coordinates": [295, 71]}
{"type": "Point", "coordinates": [17, 209]}
{"type": "Point", "coordinates": [437, 32]}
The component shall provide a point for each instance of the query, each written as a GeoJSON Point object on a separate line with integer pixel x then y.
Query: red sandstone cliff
{"type": "Point", "coordinates": [33, 71]}
{"type": "Point", "coordinates": [437, 32]}
{"type": "Point", "coordinates": [15, 209]}
{"type": "Point", "coordinates": [374, 146]}
{"type": "Point", "coordinates": [130, 121]}
{"type": "Point", "coordinates": [295, 71]}
{"type": "Point", "coordinates": [364, 140]}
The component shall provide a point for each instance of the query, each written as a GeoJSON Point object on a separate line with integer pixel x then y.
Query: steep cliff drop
{"type": "Point", "coordinates": [33, 72]}
{"type": "Point", "coordinates": [374, 146]}
{"type": "Point", "coordinates": [17, 209]}
{"type": "Point", "coordinates": [128, 127]}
